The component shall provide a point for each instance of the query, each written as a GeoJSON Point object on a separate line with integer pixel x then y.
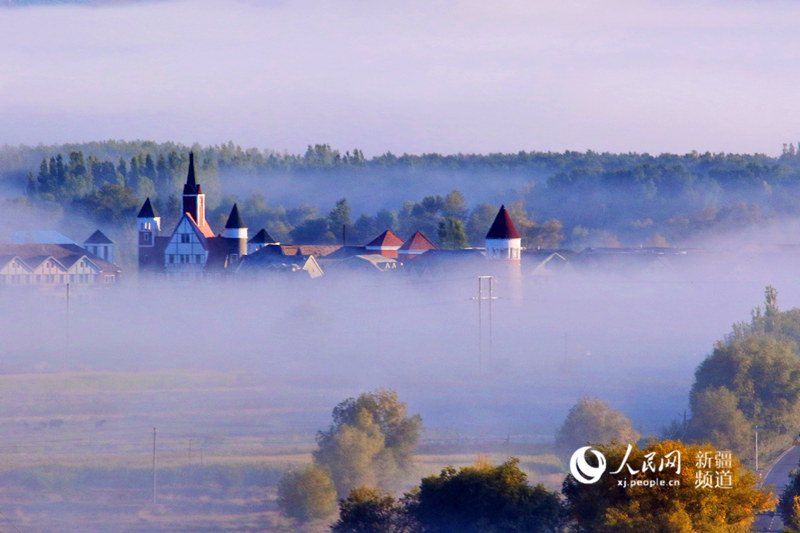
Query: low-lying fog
{"type": "Point", "coordinates": [304, 347]}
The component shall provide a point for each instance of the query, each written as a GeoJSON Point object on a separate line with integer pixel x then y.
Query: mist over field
{"type": "Point", "coordinates": [306, 346]}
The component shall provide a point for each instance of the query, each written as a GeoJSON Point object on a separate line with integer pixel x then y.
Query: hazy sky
{"type": "Point", "coordinates": [414, 76]}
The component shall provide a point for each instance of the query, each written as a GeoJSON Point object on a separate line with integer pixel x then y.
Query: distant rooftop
{"type": "Point", "coordinates": [41, 237]}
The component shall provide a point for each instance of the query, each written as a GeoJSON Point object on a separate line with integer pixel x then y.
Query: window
{"type": "Point", "coordinates": [184, 237]}
{"type": "Point", "coordinates": [199, 258]}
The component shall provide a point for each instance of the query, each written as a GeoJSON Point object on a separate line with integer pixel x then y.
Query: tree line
{"type": "Point", "coordinates": [571, 199]}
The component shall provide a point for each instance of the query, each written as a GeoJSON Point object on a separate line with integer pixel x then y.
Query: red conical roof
{"type": "Point", "coordinates": [502, 227]}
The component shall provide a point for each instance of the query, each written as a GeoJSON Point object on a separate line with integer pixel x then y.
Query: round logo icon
{"type": "Point", "coordinates": [583, 471]}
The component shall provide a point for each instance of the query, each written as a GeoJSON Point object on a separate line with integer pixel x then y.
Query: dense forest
{"type": "Point", "coordinates": [569, 199]}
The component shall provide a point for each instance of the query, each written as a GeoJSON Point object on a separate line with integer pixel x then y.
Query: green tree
{"type": "Point", "coordinates": [593, 421]}
{"type": "Point", "coordinates": [681, 505]}
{"type": "Point", "coordinates": [363, 230]}
{"type": "Point", "coordinates": [789, 504]}
{"type": "Point", "coordinates": [339, 216]}
{"type": "Point", "coordinates": [370, 442]}
{"type": "Point", "coordinates": [451, 234]}
{"type": "Point", "coordinates": [762, 373]}
{"type": "Point", "coordinates": [111, 204]}
{"type": "Point", "coordinates": [484, 498]}
{"type": "Point", "coordinates": [716, 418]}
{"type": "Point", "coordinates": [313, 231]}
{"type": "Point", "coordinates": [307, 494]}
{"type": "Point", "coordinates": [479, 222]}
{"type": "Point", "coordinates": [454, 205]}
{"type": "Point", "coordinates": [385, 219]}
{"type": "Point", "coordinates": [367, 510]}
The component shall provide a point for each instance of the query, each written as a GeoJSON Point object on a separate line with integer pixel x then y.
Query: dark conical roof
{"type": "Point", "coordinates": [147, 210]}
{"type": "Point", "coordinates": [234, 220]}
{"type": "Point", "coordinates": [262, 237]}
{"type": "Point", "coordinates": [98, 238]}
{"type": "Point", "coordinates": [191, 186]}
{"type": "Point", "coordinates": [503, 226]}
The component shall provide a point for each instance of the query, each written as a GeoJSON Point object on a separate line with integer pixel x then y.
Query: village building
{"type": "Point", "coordinates": [192, 251]}
{"type": "Point", "coordinates": [48, 258]}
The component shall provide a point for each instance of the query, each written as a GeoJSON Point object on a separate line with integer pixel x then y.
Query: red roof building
{"type": "Point", "coordinates": [387, 244]}
{"type": "Point", "coordinates": [416, 245]}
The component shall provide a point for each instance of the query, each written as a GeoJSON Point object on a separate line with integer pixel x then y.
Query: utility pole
{"type": "Point", "coordinates": [67, 320]}
{"type": "Point", "coordinates": [782, 429]}
{"type": "Point", "coordinates": [484, 294]}
{"type": "Point", "coordinates": [154, 466]}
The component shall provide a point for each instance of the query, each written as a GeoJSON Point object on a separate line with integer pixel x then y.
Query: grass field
{"type": "Point", "coordinates": [77, 452]}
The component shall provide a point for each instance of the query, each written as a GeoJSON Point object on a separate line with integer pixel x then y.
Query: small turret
{"type": "Point", "coordinates": [235, 235]}
{"type": "Point", "coordinates": [503, 242]}
{"type": "Point", "coordinates": [149, 226]}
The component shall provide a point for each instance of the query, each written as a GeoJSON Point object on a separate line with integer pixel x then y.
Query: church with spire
{"type": "Point", "coordinates": [192, 251]}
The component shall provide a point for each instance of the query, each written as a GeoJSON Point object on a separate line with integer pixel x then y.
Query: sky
{"type": "Point", "coordinates": [407, 77]}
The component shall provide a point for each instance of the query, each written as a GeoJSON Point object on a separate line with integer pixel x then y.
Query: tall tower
{"type": "Point", "coordinates": [149, 226]}
{"type": "Point", "coordinates": [235, 236]}
{"type": "Point", "coordinates": [194, 201]}
{"type": "Point", "coordinates": [503, 242]}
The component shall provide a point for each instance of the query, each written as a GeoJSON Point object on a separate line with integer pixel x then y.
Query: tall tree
{"type": "Point", "coordinates": [451, 234]}
{"type": "Point", "coordinates": [593, 421]}
{"type": "Point", "coordinates": [485, 498]}
{"type": "Point", "coordinates": [339, 217]}
{"type": "Point", "coordinates": [307, 494]}
{"type": "Point", "coordinates": [371, 441]}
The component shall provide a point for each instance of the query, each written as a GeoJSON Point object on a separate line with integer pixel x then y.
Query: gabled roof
{"type": "Point", "coordinates": [503, 226]}
{"type": "Point", "coordinates": [6, 259]}
{"type": "Point", "coordinates": [33, 255]}
{"type": "Point", "coordinates": [191, 186]}
{"type": "Point", "coordinates": [205, 231]}
{"type": "Point", "coordinates": [98, 238]}
{"type": "Point", "coordinates": [147, 210]}
{"type": "Point", "coordinates": [41, 237]}
{"type": "Point", "coordinates": [387, 239]}
{"type": "Point", "coordinates": [234, 220]}
{"type": "Point", "coordinates": [417, 242]}
{"type": "Point", "coordinates": [38, 260]}
{"type": "Point", "coordinates": [71, 260]}
{"type": "Point", "coordinates": [262, 237]}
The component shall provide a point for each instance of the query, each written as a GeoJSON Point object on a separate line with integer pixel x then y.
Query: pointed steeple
{"type": "Point", "coordinates": [234, 220]}
{"type": "Point", "coordinates": [191, 186]}
{"type": "Point", "coordinates": [503, 227]}
{"type": "Point", "coordinates": [194, 201]}
{"type": "Point", "coordinates": [147, 210]}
